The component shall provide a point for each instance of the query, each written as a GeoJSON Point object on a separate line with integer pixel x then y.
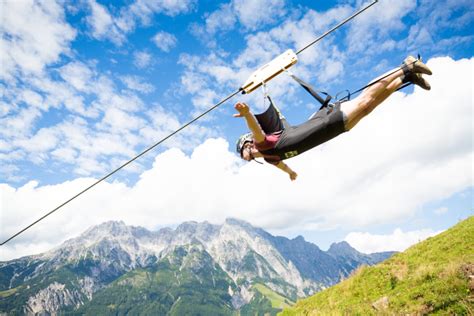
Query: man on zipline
{"type": "Point", "coordinates": [288, 141]}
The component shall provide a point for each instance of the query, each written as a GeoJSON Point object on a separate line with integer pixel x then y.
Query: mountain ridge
{"type": "Point", "coordinates": [89, 266]}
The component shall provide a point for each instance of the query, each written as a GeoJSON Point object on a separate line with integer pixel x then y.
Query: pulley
{"type": "Point", "coordinates": [268, 71]}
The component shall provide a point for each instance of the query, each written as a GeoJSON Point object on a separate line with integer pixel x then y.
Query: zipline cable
{"type": "Point", "coordinates": [350, 94]}
{"type": "Point", "coordinates": [177, 131]}
{"type": "Point", "coordinates": [123, 166]}
{"type": "Point", "coordinates": [336, 27]}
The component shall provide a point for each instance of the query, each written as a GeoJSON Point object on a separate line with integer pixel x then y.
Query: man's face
{"type": "Point", "coordinates": [247, 151]}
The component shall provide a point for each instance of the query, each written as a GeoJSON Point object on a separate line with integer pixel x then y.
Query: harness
{"type": "Point", "coordinates": [314, 93]}
{"type": "Point", "coordinates": [273, 122]}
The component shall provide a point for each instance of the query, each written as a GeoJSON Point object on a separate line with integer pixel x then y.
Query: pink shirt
{"type": "Point", "coordinates": [268, 143]}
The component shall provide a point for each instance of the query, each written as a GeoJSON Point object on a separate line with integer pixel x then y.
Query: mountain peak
{"type": "Point", "coordinates": [234, 221]}
{"type": "Point", "coordinates": [238, 222]}
{"type": "Point", "coordinates": [299, 238]}
{"type": "Point", "coordinates": [201, 230]}
{"type": "Point", "coordinates": [110, 228]}
{"type": "Point", "coordinates": [342, 247]}
{"type": "Point", "coordinates": [187, 226]}
{"type": "Point", "coordinates": [107, 231]}
{"type": "Point", "coordinates": [241, 225]}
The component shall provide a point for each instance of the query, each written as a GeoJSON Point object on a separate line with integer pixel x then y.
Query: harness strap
{"type": "Point", "coordinates": [313, 92]}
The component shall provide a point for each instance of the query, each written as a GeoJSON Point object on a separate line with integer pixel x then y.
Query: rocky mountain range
{"type": "Point", "coordinates": [197, 268]}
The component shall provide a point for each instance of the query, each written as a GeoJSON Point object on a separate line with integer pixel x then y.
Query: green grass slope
{"type": "Point", "coordinates": [265, 302]}
{"type": "Point", "coordinates": [435, 276]}
{"type": "Point", "coordinates": [277, 300]}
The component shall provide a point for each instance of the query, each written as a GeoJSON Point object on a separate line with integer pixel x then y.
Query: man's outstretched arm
{"type": "Point", "coordinates": [283, 166]}
{"type": "Point", "coordinates": [244, 111]}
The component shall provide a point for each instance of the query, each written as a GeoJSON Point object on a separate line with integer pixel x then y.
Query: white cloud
{"type": "Point", "coordinates": [89, 150]}
{"type": "Point", "coordinates": [407, 153]}
{"type": "Point", "coordinates": [107, 96]}
{"type": "Point", "coordinates": [103, 24]}
{"type": "Point", "coordinates": [222, 19]}
{"type": "Point", "coordinates": [9, 171]}
{"type": "Point", "coordinates": [33, 35]}
{"type": "Point", "coordinates": [215, 73]}
{"type": "Point", "coordinates": [24, 248]}
{"type": "Point", "coordinates": [195, 83]}
{"type": "Point", "coordinates": [4, 108]}
{"type": "Point", "coordinates": [44, 140]}
{"type": "Point", "coordinates": [120, 126]}
{"type": "Point", "coordinates": [142, 59]}
{"type": "Point", "coordinates": [370, 30]}
{"type": "Point", "coordinates": [78, 75]}
{"type": "Point", "coordinates": [419, 36]}
{"type": "Point", "coordinates": [396, 241]}
{"type": "Point", "coordinates": [204, 78]}
{"type": "Point", "coordinates": [164, 41]}
{"type": "Point", "coordinates": [66, 155]}
{"type": "Point", "coordinates": [74, 139]}
{"type": "Point", "coordinates": [115, 28]}
{"type": "Point", "coordinates": [331, 69]}
{"type": "Point", "coordinates": [32, 98]}
{"type": "Point", "coordinates": [143, 10]}
{"type": "Point", "coordinates": [433, 28]}
{"type": "Point", "coordinates": [253, 14]}
{"type": "Point", "coordinates": [136, 83]}
{"type": "Point", "coordinates": [96, 135]}
{"type": "Point", "coordinates": [19, 125]}
{"type": "Point", "coordinates": [57, 94]}
{"type": "Point", "coordinates": [118, 119]}
{"type": "Point", "coordinates": [162, 123]}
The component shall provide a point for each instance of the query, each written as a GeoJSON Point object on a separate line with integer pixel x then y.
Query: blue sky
{"type": "Point", "coordinates": [86, 85]}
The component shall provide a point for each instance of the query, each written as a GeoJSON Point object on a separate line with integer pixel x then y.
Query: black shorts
{"type": "Point", "coordinates": [325, 125]}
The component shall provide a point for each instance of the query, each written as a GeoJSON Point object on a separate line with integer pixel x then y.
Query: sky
{"type": "Point", "coordinates": [87, 85]}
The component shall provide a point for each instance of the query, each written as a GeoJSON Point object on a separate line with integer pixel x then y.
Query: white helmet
{"type": "Point", "coordinates": [246, 138]}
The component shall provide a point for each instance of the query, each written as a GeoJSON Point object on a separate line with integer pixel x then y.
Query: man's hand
{"type": "Point", "coordinates": [242, 108]}
{"type": "Point", "coordinates": [293, 175]}
{"type": "Point", "coordinates": [251, 120]}
{"type": "Point", "coordinates": [284, 167]}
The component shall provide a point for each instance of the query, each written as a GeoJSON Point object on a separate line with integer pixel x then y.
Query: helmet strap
{"type": "Point", "coordinates": [252, 157]}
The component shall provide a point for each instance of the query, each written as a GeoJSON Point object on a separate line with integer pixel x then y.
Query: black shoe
{"type": "Point", "coordinates": [418, 80]}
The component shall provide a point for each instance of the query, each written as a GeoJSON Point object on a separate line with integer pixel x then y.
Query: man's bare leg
{"type": "Point", "coordinates": [391, 88]}
{"type": "Point", "coordinates": [371, 97]}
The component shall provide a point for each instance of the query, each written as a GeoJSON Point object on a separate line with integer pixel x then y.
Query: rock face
{"type": "Point", "coordinates": [51, 299]}
{"type": "Point", "coordinates": [234, 255]}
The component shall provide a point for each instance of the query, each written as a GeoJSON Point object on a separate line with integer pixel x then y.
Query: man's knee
{"type": "Point", "coordinates": [356, 110]}
{"type": "Point", "coordinates": [358, 107]}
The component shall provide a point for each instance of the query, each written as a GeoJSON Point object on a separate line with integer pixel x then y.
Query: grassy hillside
{"type": "Point", "coordinates": [435, 276]}
{"type": "Point", "coordinates": [277, 300]}
{"type": "Point", "coordinates": [265, 302]}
